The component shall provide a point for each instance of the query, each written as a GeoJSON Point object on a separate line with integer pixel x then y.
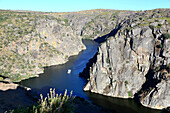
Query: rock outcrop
{"type": "Point", "coordinates": [134, 62]}
{"type": "Point", "coordinates": [30, 41]}
{"type": "Point", "coordinates": [4, 86]}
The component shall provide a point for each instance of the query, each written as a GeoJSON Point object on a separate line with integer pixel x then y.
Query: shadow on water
{"type": "Point", "coordinates": [13, 98]}
{"type": "Point", "coordinates": [58, 78]}
{"type": "Point", "coordinates": [118, 105]}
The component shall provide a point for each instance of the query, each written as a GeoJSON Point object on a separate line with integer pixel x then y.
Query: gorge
{"type": "Point", "coordinates": [132, 59]}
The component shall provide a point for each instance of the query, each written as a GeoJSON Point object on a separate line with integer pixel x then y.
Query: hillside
{"type": "Point", "coordinates": [33, 40]}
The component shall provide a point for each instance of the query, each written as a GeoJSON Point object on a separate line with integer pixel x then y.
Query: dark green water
{"type": "Point", "coordinates": [58, 78]}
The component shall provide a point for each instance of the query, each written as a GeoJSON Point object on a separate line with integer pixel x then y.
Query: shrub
{"type": "Point", "coordinates": [159, 25]}
{"type": "Point", "coordinates": [139, 69]}
{"type": "Point", "coordinates": [129, 94]}
{"type": "Point", "coordinates": [53, 103]}
{"type": "Point", "coordinates": [126, 82]}
{"type": "Point", "coordinates": [66, 22]}
{"type": "Point", "coordinates": [1, 79]}
{"type": "Point", "coordinates": [156, 20]}
{"type": "Point", "coordinates": [166, 35]}
{"type": "Point", "coordinates": [152, 27]}
{"type": "Point", "coordinates": [107, 60]}
{"type": "Point", "coordinates": [140, 18]}
{"type": "Point", "coordinates": [159, 46]}
{"type": "Point", "coordinates": [10, 66]}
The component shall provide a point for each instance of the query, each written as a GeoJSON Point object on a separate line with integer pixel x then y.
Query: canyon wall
{"type": "Point", "coordinates": [133, 58]}
{"type": "Point", "coordinates": [30, 41]}
{"type": "Point", "coordinates": [135, 61]}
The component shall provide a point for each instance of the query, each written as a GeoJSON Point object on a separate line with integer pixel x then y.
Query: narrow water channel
{"type": "Point", "coordinates": [58, 78]}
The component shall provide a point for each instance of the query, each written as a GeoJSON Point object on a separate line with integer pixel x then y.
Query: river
{"type": "Point", "coordinates": [58, 78]}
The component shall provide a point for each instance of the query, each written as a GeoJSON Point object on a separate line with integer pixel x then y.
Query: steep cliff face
{"type": "Point", "coordinates": [30, 41]}
{"type": "Point", "coordinates": [134, 63]}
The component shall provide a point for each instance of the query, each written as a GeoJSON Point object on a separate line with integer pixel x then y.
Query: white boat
{"type": "Point", "coordinates": [69, 71]}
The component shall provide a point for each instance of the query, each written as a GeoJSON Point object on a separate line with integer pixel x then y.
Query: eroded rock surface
{"type": "Point", "coordinates": [33, 40]}
{"type": "Point", "coordinates": [134, 62]}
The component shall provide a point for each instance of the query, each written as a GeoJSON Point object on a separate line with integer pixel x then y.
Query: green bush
{"type": "Point", "coordinates": [107, 60]}
{"type": "Point", "coordinates": [152, 27]}
{"type": "Point", "coordinates": [1, 79]}
{"type": "Point", "coordinates": [66, 22]}
{"type": "Point", "coordinates": [139, 69]}
{"type": "Point", "coordinates": [140, 18]}
{"type": "Point", "coordinates": [53, 103]}
{"type": "Point", "coordinates": [126, 82]}
{"type": "Point", "coordinates": [129, 94]}
{"type": "Point", "coordinates": [166, 35]}
{"type": "Point", "coordinates": [159, 46]}
{"type": "Point", "coordinates": [159, 25]}
{"type": "Point", "coordinates": [156, 20]}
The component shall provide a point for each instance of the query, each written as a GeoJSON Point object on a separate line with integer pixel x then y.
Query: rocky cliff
{"type": "Point", "coordinates": [30, 41]}
{"type": "Point", "coordinates": [134, 62]}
